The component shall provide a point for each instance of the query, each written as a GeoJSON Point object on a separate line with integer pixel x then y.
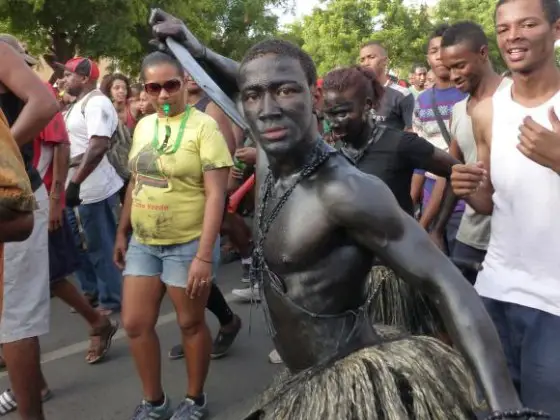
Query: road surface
{"type": "Point", "coordinates": [111, 390]}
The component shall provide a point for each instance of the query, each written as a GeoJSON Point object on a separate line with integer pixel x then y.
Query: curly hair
{"type": "Point", "coordinates": [361, 79]}
{"type": "Point", "coordinates": [107, 84]}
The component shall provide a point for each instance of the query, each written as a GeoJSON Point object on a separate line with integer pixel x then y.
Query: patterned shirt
{"type": "Point", "coordinates": [424, 120]}
{"type": "Point", "coordinates": [425, 125]}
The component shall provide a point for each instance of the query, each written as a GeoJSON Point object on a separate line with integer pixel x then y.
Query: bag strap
{"type": "Point", "coordinates": [90, 95]}
{"type": "Point", "coordinates": [439, 119]}
{"type": "Point", "coordinates": [83, 107]}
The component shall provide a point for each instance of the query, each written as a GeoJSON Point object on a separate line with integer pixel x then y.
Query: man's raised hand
{"type": "Point", "coordinates": [165, 25]}
{"type": "Point", "coordinates": [540, 144]}
{"type": "Point", "coordinates": [467, 179]}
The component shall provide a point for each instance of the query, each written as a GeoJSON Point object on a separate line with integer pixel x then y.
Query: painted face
{"type": "Point", "coordinates": [277, 102]}
{"type": "Point", "coordinates": [465, 65]}
{"type": "Point", "coordinates": [74, 83]}
{"type": "Point", "coordinates": [525, 38]}
{"type": "Point", "coordinates": [346, 114]}
{"type": "Point", "coordinates": [164, 84]}
{"type": "Point", "coordinates": [119, 91]}
{"type": "Point", "coordinates": [374, 58]}
{"type": "Point", "coordinates": [420, 77]}
{"type": "Point", "coordinates": [434, 59]}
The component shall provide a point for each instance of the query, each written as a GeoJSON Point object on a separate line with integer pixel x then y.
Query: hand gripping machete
{"type": "Point", "coordinates": [206, 83]}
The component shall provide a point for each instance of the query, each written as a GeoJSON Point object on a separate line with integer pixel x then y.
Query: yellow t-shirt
{"type": "Point", "coordinates": [168, 198]}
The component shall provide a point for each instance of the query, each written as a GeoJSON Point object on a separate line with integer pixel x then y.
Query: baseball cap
{"type": "Point", "coordinates": [83, 67]}
{"type": "Point", "coordinates": [13, 42]}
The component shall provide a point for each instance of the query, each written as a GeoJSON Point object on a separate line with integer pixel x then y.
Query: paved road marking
{"type": "Point", "coordinates": [82, 346]}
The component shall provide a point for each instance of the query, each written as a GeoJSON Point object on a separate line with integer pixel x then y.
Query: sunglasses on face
{"type": "Point", "coordinates": [171, 87]}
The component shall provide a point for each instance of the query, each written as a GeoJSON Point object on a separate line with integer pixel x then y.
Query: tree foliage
{"type": "Point", "coordinates": [479, 11]}
{"type": "Point", "coordinates": [118, 29]}
{"type": "Point", "coordinates": [334, 33]}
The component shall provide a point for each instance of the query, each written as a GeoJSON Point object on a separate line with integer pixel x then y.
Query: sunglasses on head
{"type": "Point", "coordinates": [171, 86]}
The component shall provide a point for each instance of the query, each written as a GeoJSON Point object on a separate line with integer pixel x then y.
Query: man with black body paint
{"type": "Point", "coordinates": [317, 210]}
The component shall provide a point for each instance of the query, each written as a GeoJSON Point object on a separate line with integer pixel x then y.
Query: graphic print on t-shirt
{"type": "Point", "coordinates": [146, 165]}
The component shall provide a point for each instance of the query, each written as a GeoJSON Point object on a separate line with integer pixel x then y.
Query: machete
{"type": "Point", "coordinates": [206, 83]}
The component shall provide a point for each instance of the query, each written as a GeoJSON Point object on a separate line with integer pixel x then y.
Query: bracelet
{"type": "Point", "coordinates": [204, 261]}
{"type": "Point", "coordinates": [524, 413]}
{"type": "Point", "coordinates": [54, 197]}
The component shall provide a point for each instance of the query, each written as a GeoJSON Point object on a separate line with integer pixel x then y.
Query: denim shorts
{"type": "Point", "coordinates": [169, 262]}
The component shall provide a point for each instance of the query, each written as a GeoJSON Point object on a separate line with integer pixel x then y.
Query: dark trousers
{"type": "Point", "coordinates": [531, 342]}
{"type": "Point", "coordinates": [466, 253]}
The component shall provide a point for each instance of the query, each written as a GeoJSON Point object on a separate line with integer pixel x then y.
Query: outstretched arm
{"type": "Point", "coordinates": [221, 69]}
{"type": "Point", "coordinates": [368, 210]}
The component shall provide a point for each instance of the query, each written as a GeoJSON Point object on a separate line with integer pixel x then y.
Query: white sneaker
{"type": "Point", "coordinates": [275, 358]}
{"type": "Point", "coordinates": [248, 294]}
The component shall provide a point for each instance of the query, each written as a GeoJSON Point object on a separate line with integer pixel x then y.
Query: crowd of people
{"type": "Point", "coordinates": [375, 200]}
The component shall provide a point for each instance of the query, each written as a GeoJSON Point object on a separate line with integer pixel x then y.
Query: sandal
{"type": "Point", "coordinates": [101, 339]}
{"type": "Point", "coordinates": [8, 402]}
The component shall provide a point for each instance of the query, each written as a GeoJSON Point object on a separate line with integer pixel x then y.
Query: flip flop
{"type": "Point", "coordinates": [101, 340]}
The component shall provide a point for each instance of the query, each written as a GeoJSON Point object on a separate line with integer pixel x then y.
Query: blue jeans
{"type": "Point", "coordinates": [94, 235]}
{"type": "Point", "coordinates": [531, 342]}
{"type": "Point", "coordinates": [465, 252]}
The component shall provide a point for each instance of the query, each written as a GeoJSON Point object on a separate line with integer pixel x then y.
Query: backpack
{"type": "Point", "coordinates": [119, 145]}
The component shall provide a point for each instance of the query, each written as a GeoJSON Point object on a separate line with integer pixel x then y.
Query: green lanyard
{"type": "Point", "coordinates": [162, 148]}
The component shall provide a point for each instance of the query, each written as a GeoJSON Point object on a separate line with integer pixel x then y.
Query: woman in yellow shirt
{"type": "Point", "coordinates": [180, 163]}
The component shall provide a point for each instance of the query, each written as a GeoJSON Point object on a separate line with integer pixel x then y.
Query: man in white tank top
{"type": "Point", "coordinates": [516, 179]}
{"type": "Point", "coordinates": [465, 53]}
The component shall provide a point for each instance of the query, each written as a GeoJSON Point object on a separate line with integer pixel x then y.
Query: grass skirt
{"type": "Point", "coordinates": [414, 378]}
{"type": "Point", "coordinates": [397, 304]}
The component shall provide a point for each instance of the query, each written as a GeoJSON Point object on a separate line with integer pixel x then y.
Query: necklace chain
{"type": "Point", "coordinates": [319, 156]}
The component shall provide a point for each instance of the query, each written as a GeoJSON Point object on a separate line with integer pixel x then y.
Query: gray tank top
{"type": "Point", "coordinates": [474, 229]}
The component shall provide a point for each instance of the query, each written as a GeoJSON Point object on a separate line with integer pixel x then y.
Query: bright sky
{"type": "Point", "coordinates": [304, 7]}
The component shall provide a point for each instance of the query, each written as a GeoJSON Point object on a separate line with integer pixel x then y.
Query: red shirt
{"type": "Point", "coordinates": [43, 147]}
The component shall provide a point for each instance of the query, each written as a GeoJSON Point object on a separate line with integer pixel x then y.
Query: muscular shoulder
{"type": "Point", "coordinates": [214, 111]}
{"type": "Point", "coordinates": [482, 115]}
{"type": "Point", "coordinates": [354, 198]}
{"type": "Point", "coordinates": [483, 111]}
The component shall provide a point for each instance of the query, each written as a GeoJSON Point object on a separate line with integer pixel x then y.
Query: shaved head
{"type": "Point", "coordinates": [378, 47]}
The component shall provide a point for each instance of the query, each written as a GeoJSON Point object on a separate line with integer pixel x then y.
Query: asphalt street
{"type": "Point", "coordinates": [111, 390]}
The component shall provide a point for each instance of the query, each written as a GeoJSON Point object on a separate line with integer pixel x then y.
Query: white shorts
{"type": "Point", "coordinates": [26, 304]}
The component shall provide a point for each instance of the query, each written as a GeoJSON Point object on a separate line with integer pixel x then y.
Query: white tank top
{"type": "Point", "coordinates": [522, 265]}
